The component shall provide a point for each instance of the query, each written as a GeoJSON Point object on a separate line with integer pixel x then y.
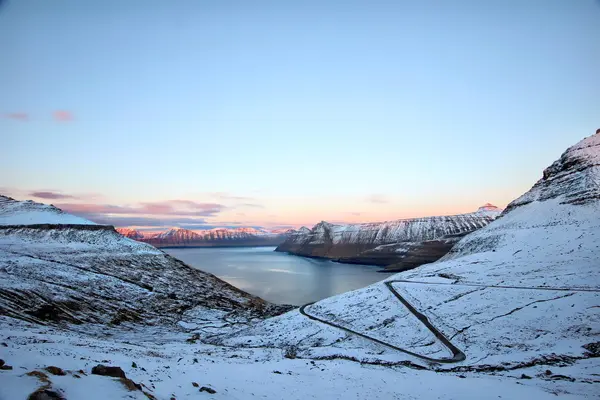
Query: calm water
{"type": "Point", "coordinates": [279, 277]}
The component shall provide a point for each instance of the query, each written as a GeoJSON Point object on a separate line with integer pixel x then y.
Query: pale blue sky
{"type": "Point", "coordinates": [311, 110]}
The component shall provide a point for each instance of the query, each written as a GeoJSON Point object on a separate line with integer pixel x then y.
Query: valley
{"type": "Point", "coordinates": [509, 310]}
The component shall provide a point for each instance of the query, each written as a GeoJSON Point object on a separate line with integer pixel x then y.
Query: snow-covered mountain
{"type": "Point", "coordinates": [244, 236]}
{"type": "Point", "coordinates": [55, 268]}
{"type": "Point", "coordinates": [410, 242]}
{"type": "Point", "coordinates": [518, 297]}
{"type": "Point", "coordinates": [513, 309]}
{"type": "Point", "coordinates": [131, 233]}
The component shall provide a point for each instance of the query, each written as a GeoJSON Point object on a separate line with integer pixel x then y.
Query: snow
{"type": "Point", "coordinates": [169, 370]}
{"type": "Point", "coordinates": [402, 230]}
{"type": "Point", "coordinates": [13, 212]}
{"type": "Point", "coordinates": [519, 297]}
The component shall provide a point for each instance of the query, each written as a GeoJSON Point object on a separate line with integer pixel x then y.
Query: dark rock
{"type": "Point", "coordinates": [40, 375]}
{"type": "Point", "coordinates": [208, 390]}
{"type": "Point", "coordinates": [115, 372]}
{"type": "Point", "coordinates": [194, 384]}
{"type": "Point", "coordinates": [548, 372]}
{"type": "Point", "coordinates": [593, 348]}
{"type": "Point", "coordinates": [6, 367]}
{"type": "Point", "coordinates": [193, 339]}
{"type": "Point", "coordinates": [277, 372]}
{"type": "Point", "coordinates": [523, 376]}
{"type": "Point", "coordinates": [133, 365]}
{"type": "Point", "coordinates": [1, 362]}
{"type": "Point", "coordinates": [55, 370]}
{"type": "Point", "coordinates": [130, 385]}
{"type": "Point", "coordinates": [45, 394]}
{"type": "Point", "coordinates": [4, 344]}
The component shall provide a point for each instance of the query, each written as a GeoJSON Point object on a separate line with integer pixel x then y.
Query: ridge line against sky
{"type": "Point", "coordinates": [282, 114]}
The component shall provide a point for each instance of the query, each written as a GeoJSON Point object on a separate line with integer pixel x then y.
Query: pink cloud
{"type": "Point", "coordinates": [51, 195]}
{"type": "Point", "coordinates": [172, 207]}
{"type": "Point", "coordinates": [63, 116]}
{"type": "Point", "coordinates": [18, 116]}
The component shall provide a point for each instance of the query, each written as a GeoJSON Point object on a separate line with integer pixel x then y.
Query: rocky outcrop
{"type": "Point", "coordinates": [410, 242]}
{"type": "Point", "coordinates": [54, 273]}
{"type": "Point", "coordinates": [574, 177]}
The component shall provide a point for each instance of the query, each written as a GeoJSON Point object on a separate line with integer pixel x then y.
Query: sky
{"type": "Point", "coordinates": [277, 114]}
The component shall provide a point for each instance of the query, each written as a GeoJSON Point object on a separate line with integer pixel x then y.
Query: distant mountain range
{"type": "Point", "coordinates": [218, 237]}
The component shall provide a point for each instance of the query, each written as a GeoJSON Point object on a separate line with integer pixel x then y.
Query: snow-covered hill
{"type": "Point", "coordinates": [13, 212]}
{"type": "Point", "coordinates": [55, 270]}
{"type": "Point", "coordinates": [428, 238]}
{"type": "Point", "coordinates": [519, 296]}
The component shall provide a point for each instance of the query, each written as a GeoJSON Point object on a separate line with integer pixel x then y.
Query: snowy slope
{"type": "Point", "coordinates": [521, 293]}
{"type": "Point", "coordinates": [13, 212]}
{"type": "Point", "coordinates": [87, 273]}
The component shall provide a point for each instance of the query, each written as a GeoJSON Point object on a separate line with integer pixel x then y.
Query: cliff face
{"type": "Point", "coordinates": [419, 239]}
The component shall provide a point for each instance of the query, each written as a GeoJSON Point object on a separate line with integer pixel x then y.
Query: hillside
{"type": "Point", "coordinates": [405, 243]}
{"type": "Point", "coordinates": [517, 297]}
{"type": "Point", "coordinates": [57, 268]}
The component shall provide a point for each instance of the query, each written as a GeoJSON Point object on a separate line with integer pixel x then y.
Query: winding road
{"type": "Point", "coordinates": [457, 354]}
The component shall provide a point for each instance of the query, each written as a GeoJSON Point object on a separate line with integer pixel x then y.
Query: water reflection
{"type": "Point", "coordinates": [279, 277]}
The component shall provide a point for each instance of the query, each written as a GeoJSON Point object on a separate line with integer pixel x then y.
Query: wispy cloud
{"type": "Point", "coordinates": [150, 222]}
{"type": "Point", "coordinates": [172, 207]}
{"type": "Point", "coordinates": [377, 199]}
{"type": "Point", "coordinates": [161, 214]}
{"type": "Point", "coordinates": [51, 195]}
{"type": "Point", "coordinates": [18, 116]}
{"type": "Point", "coordinates": [251, 205]}
{"type": "Point", "coordinates": [227, 196]}
{"type": "Point", "coordinates": [63, 116]}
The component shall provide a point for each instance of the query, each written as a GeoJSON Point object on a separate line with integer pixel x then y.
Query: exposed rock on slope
{"type": "Point", "coordinates": [575, 177]}
{"type": "Point", "coordinates": [406, 243]}
{"type": "Point", "coordinates": [77, 273]}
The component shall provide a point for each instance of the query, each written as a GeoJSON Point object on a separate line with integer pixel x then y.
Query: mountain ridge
{"type": "Point", "coordinates": [373, 243]}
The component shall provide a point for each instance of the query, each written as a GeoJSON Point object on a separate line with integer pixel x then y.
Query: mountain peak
{"type": "Point", "coordinates": [573, 179]}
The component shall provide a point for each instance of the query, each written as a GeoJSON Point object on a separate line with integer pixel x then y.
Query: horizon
{"type": "Point", "coordinates": [205, 115]}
